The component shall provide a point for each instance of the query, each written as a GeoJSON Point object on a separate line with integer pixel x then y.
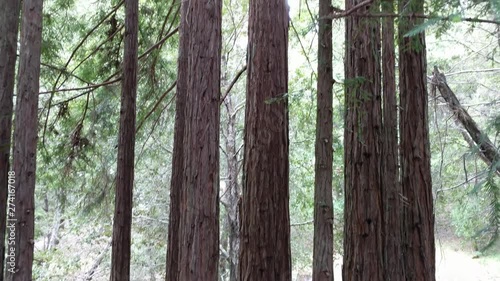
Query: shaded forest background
{"type": "Point", "coordinates": [82, 51]}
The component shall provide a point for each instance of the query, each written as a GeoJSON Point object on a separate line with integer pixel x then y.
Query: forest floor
{"type": "Point", "coordinates": [455, 259]}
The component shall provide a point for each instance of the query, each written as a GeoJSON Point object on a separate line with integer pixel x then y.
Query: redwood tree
{"type": "Point", "coordinates": [120, 254]}
{"type": "Point", "coordinates": [391, 187]}
{"type": "Point", "coordinates": [323, 200]}
{"type": "Point", "coordinates": [198, 257]}
{"type": "Point", "coordinates": [363, 241]}
{"type": "Point", "coordinates": [9, 25]}
{"type": "Point", "coordinates": [418, 216]}
{"type": "Point", "coordinates": [25, 139]}
{"type": "Point", "coordinates": [265, 223]}
{"type": "Point", "coordinates": [177, 157]}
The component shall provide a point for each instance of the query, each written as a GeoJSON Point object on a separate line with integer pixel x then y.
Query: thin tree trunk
{"type": "Point", "coordinates": [418, 217]}
{"type": "Point", "coordinates": [199, 223]}
{"type": "Point", "coordinates": [9, 26]}
{"type": "Point", "coordinates": [391, 187]}
{"type": "Point", "coordinates": [487, 148]}
{"type": "Point", "coordinates": [323, 200]}
{"type": "Point", "coordinates": [232, 193]}
{"type": "Point", "coordinates": [120, 253]}
{"type": "Point", "coordinates": [177, 157]}
{"type": "Point", "coordinates": [363, 242]}
{"type": "Point", "coordinates": [265, 222]}
{"type": "Point", "coordinates": [25, 141]}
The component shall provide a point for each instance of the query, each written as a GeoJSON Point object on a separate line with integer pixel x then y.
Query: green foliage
{"type": "Point", "coordinates": [467, 216]}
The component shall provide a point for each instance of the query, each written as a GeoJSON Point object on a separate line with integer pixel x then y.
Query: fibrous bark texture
{"type": "Point", "coordinates": [363, 241]}
{"type": "Point", "coordinates": [25, 139]}
{"type": "Point", "coordinates": [265, 222]}
{"type": "Point", "coordinates": [391, 188]}
{"type": "Point", "coordinates": [199, 222]}
{"type": "Point", "coordinates": [122, 224]}
{"type": "Point", "coordinates": [323, 200]}
{"type": "Point", "coordinates": [9, 25]}
{"type": "Point", "coordinates": [177, 157]}
{"type": "Point", "coordinates": [418, 217]}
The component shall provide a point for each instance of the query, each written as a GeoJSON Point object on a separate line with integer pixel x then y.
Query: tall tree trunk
{"type": "Point", "coordinates": [363, 241]}
{"type": "Point", "coordinates": [199, 223]}
{"type": "Point", "coordinates": [177, 157]}
{"type": "Point", "coordinates": [232, 192]}
{"type": "Point", "coordinates": [323, 200]}
{"type": "Point", "coordinates": [25, 141]}
{"type": "Point", "coordinates": [265, 221]}
{"type": "Point", "coordinates": [120, 253]}
{"type": "Point", "coordinates": [418, 216]}
{"type": "Point", "coordinates": [391, 187]}
{"type": "Point", "coordinates": [9, 26]}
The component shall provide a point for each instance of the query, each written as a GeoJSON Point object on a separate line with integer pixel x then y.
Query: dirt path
{"type": "Point", "coordinates": [455, 264]}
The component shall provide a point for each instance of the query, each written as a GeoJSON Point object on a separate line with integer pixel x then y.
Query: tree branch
{"type": "Point", "coordinates": [342, 14]}
{"type": "Point", "coordinates": [156, 105]}
{"type": "Point", "coordinates": [230, 87]}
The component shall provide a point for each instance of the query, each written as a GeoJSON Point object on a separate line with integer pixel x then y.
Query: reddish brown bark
{"type": "Point", "coordinates": [177, 157]}
{"type": "Point", "coordinates": [418, 216]}
{"type": "Point", "coordinates": [391, 187]}
{"type": "Point", "coordinates": [25, 140]}
{"type": "Point", "coordinates": [363, 241]}
{"type": "Point", "coordinates": [323, 200]}
{"type": "Point", "coordinates": [120, 254]}
{"type": "Point", "coordinates": [9, 25]}
{"type": "Point", "coordinates": [199, 222]}
{"type": "Point", "coordinates": [265, 224]}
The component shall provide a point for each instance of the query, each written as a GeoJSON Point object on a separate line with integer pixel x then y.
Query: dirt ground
{"type": "Point", "coordinates": [454, 261]}
{"type": "Point", "coordinates": [457, 261]}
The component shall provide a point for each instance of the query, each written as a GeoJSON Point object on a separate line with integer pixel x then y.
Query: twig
{"type": "Point", "coordinates": [473, 71]}
{"type": "Point", "coordinates": [159, 43]}
{"type": "Point", "coordinates": [302, 223]}
{"type": "Point", "coordinates": [107, 81]}
{"type": "Point", "coordinates": [82, 88]}
{"type": "Point", "coordinates": [66, 72]}
{"type": "Point", "coordinates": [390, 15]}
{"type": "Point", "coordinates": [339, 13]}
{"type": "Point", "coordinates": [235, 79]}
{"type": "Point", "coordinates": [303, 49]}
{"type": "Point", "coordinates": [156, 105]}
{"type": "Point", "coordinates": [69, 60]}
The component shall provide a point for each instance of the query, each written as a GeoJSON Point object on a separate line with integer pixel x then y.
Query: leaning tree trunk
{"type": "Point", "coordinates": [120, 254]}
{"type": "Point", "coordinates": [25, 142]}
{"type": "Point", "coordinates": [199, 222]}
{"type": "Point", "coordinates": [9, 25]}
{"type": "Point", "coordinates": [323, 200]}
{"type": "Point", "coordinates": [487, 149]}
{"type": "Point", "coordinates": [177, 157]}
{"type": "Point", "coordinates": [265, 222]}
{"type": "Point", "coordinates": [418, 217]}
{"type": "Point", "coordinates": [363, 241]}
{"type": "Point", "coordinates": [391, 187]}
